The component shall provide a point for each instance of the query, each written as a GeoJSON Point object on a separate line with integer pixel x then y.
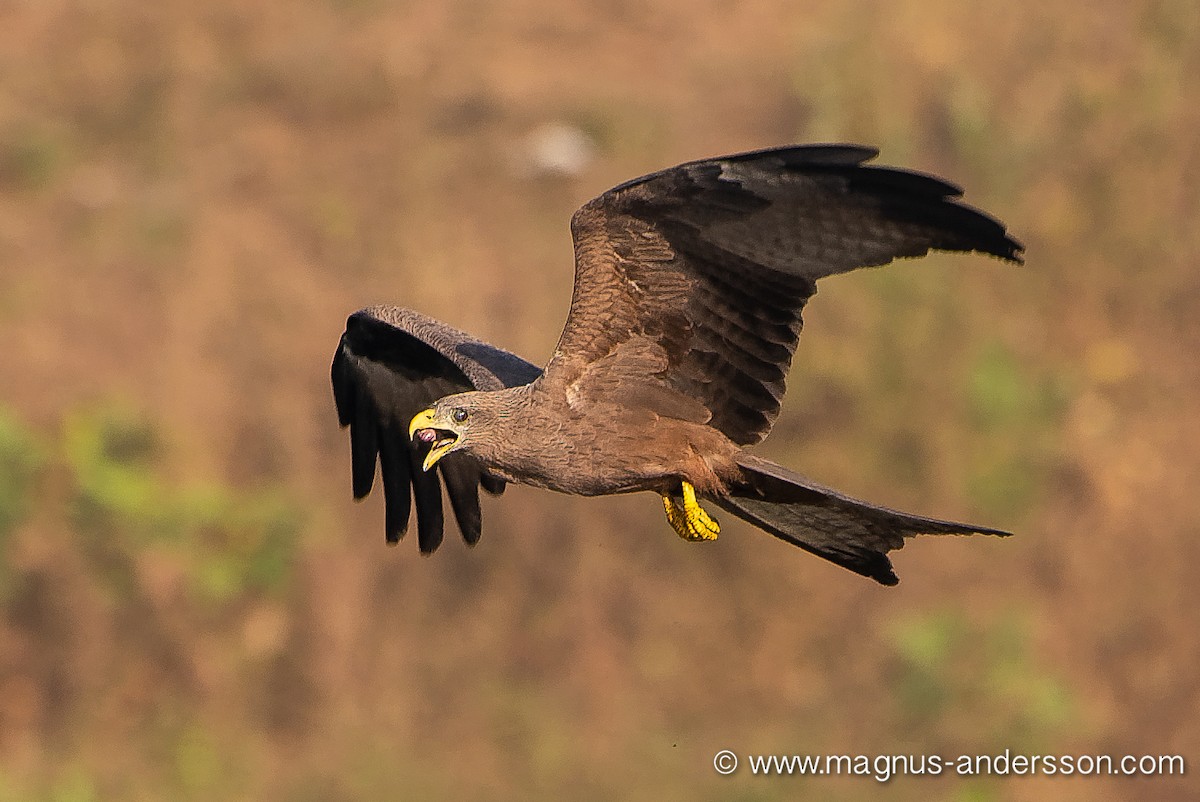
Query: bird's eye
{"type": "Point", "coordinates": [459, 414]}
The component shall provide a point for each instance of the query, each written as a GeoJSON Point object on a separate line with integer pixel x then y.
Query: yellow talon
{"type": "Point", "coordinates": [690, 521]}
{"type": "Point", "coordinates": [675, 516]}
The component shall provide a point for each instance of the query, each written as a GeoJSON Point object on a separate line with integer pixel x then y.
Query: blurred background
{"type": "Point", "coordinates": [194, 196]}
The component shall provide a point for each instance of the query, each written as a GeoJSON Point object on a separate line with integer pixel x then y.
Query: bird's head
{"type": "Point", "coordinates": [446, 426]}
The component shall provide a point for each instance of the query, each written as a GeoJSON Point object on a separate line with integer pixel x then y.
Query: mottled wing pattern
{"type": "Point", "coordinates": [693, 279]}
{"type": "Point", "coordinates": [390, 364]}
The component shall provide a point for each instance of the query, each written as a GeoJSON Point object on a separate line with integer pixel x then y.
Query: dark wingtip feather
{"type": "Point", "coordinates": [358, 413]}
{"type": "Point", "coordinates": [427, 493]}
{"type": "Point", "coordinates": [364, 448]}
{"type": "Point", "coordinates": [396, 470]}
{"type": "Point", "coordinates": [993, 239]}
{"type": "Point", "coordinates": [923, 198]}
{"type": "Point", "coordinates": [343, 385]}
{"type": "Point", "coordinates": [983, 233]}
{"type": "Point", "coordinates": [462, 486]}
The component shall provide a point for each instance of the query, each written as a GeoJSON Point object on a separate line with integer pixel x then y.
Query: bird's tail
{"type": "Point", "coordinates": [844, 530]}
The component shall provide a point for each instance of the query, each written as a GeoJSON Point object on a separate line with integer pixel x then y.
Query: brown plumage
{"type": "Point", "coordinates": [689, 287]}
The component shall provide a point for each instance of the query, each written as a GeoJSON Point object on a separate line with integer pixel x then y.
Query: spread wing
{"type": "Point", "coordinates": [390, 364]}
{"type": "Point", "coordinates": [689, 282]}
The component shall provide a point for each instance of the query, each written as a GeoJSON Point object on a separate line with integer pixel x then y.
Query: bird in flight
{"type": "Point", "coordinates": [689, 288]}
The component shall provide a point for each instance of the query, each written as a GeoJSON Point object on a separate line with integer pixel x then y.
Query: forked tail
{"type": "Point", "coordinates": [843, 530]}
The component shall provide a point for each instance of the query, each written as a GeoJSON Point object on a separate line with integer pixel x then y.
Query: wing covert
{"type": "Point", "coordinates": [706, 268]}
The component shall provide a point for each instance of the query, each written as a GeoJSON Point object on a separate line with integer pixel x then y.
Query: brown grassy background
{"type": "Point", "coordinates": [194, 196]}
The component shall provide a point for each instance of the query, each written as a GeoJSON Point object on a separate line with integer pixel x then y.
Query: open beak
{"type": "Point", "coordinates": [441, 440]}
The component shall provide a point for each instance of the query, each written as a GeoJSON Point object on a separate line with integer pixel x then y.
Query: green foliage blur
{"type": "Point", "coordinates": [21, 458]}
{"type": "Point", "coordinates": [232, 542]}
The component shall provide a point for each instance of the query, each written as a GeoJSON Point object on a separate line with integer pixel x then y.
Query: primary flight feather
{"type": "Point", "coordinates": [689, 288]}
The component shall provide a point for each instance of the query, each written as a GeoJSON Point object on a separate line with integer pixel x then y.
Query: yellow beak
{"type": "Point", "coordinates": [422, 420]}
{"type": "Point", "coordinates": [425, 420]}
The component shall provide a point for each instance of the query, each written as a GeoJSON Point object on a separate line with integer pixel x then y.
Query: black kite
{"type": "Point", "coordinates": [689, 284]}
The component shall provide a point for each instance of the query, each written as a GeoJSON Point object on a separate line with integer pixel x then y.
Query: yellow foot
{"type": "Point", "coordinates": [690, 520]}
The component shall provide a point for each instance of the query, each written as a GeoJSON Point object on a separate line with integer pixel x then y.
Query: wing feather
{"type": "Point", "coordinates": [713, 261]}
{"type": "Point", "coordinates": [390, 364]}
{"type": "Point", "coordinates": [462, 487]}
